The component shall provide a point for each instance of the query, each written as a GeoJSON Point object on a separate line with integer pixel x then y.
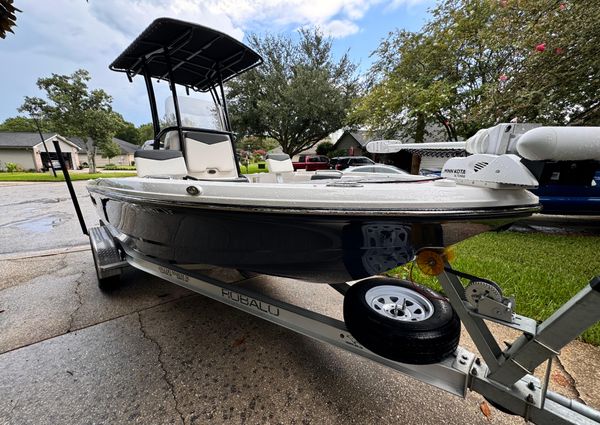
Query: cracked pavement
{"type": "Point", "coordinates": [152, 352]}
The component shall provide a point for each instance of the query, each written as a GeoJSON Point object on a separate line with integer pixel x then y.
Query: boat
{"type": "Point", "coordinates": [191, 206]}
{"type": "Point", "coordinates": [564, 160]}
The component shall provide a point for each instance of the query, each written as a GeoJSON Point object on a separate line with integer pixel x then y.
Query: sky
{"type": "Point", "coordinates": [60, 36]}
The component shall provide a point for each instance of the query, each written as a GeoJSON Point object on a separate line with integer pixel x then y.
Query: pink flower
{"type": "Point", "coordinates": [559, 50]}
{"type": "Point", "coordinates": [503, 77]}
{"type": "Point", "coordinates": [540, 47]}
{"type": "Point", "coordinates": [503, 3]}
{"type": "Point", "coordinates": [562, 6]}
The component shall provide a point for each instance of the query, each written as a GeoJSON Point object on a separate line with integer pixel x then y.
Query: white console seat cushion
{"type": "Point", "coordinates": [160, 163]}
{"type": "Point", "coordinates": [210, 155]}
{"type": "Point", "coordinates": [279, 163]}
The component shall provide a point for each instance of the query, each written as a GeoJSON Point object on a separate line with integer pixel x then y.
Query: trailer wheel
{"type": "Point", "coordinates": [401, 321]}
{"type": "Point", "coordinates": [108, 284]}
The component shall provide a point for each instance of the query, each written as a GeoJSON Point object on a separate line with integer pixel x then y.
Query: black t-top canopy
{"type": "Point", "coordinates": [199, 57]}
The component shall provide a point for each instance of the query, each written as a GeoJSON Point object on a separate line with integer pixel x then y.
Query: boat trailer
{"type": "Point", "coordinates": [503, 377]}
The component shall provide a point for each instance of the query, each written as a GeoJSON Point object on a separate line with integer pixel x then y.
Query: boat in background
{"type": "Point", "coordinates": [564, 160]}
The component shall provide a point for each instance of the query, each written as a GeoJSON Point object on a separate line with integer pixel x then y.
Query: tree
{"type": "Point", "coordinates": [406, 90]}
{"type": "Point", "coordinates": [75, 110]}
{"type": "Point", "coordinates": [480, 62]}
{"type": "Point", "coordinates": [20, 123]}
{"type": "Point", "coordinates": [298, 96]}
{"type": "Point", "coordinates": [110, 150]}
{"type": "Point", "coordinates": [146, 132]}
{"type": "Point", "coordinates": [128, 132]}
{"type": "Point", "coordinates": [253, 143]}
{"type": "Point", "coordinates": [7, 17]}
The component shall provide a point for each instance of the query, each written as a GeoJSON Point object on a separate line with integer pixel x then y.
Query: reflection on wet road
{"type": "Point", "coordinates": [41, 216]}
{"type": "Point", "coordinates": [41, 224]}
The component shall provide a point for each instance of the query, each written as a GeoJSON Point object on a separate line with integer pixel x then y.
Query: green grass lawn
{"type": "Point", "coordinates": [542, 271]}
{"type": "Point", "coordinates": [48, 177]}
{"type": "Point", "coordinates": [253, 168]}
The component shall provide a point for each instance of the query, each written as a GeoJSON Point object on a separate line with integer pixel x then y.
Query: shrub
{"type": "Point", "coordinates": [11, 167]}
{"type": "Point", "coordinates": [339, 152]}
{"type": "Point", "coordinates": [119, 167]}
{"type": "Point", "coordinates": [324, 148]}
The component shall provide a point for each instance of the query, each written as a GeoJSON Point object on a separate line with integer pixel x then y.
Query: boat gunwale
{"type": "Point", "coordinates": [447, 214]}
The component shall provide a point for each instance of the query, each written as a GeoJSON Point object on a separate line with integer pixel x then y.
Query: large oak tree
{"type": "Point", "coordinates": [298, 96]}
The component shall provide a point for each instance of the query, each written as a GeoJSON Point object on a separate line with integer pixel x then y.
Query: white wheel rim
{"type": "Point", "coordinates": [399, 303]}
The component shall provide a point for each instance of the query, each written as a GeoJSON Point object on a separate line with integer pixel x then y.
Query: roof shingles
{"type": "Point", "coordinates": [24, 140]}
{"type": "Point", "coordinates": [21, 140]}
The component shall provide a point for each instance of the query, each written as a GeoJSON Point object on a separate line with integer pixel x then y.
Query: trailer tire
{"type": "Point", "coordinates": [106, 284]}
{"type": "Point", "coordinates": [401, 321]}
{"type": "Point", "coordinates": [109, 284]}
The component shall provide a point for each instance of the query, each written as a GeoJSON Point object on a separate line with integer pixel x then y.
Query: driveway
{"type": "Point", "coordinates": [152, 352]}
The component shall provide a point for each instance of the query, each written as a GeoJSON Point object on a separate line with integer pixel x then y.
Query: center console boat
{"type": "Point", "coordinates": [190, 205]}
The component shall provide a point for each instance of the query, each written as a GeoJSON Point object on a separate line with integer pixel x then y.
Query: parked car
{"type": "Point", "coordinates": [343, 162]}
{"type": "Point", "coordinates": [311, 163]}
{"type": "Point", "coordinates": [376, 168]}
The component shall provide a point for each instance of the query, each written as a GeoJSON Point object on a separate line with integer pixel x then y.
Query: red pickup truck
{"type": "Point", "coordinates": [311, 163]}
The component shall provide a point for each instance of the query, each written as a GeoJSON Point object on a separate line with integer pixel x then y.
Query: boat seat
{"type": "Point", "coordinates": [172, 141]}
{"type": "Point", "coordinates": [159, 163]}
{"type": "Point", "coordinates": [209, 156]}
{"type": "Point", "coordinates": [278, 164]}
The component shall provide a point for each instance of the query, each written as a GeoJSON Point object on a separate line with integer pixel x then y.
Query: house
{"type": "Point", "coordinates": [29, 153]}
{"type": "Point", "coordinates": [124, 158]}
{"type": "Point", "coordinates": [354, 143]}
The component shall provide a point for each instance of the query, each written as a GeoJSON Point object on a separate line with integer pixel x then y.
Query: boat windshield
{"type": "Point", "coordinates": [195, 113]}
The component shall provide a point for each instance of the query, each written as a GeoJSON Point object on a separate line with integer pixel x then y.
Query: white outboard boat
{"type": "Point", "coordinates": [191, 205]}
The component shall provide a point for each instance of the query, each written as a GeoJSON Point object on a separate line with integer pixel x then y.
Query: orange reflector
{"type": "Point", "coordinates": [431, 261]}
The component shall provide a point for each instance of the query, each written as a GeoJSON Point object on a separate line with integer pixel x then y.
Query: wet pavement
{"type": "Point", "coordinates": [36, 217]}
{"type": "Point", "coordinates": [151, 352]}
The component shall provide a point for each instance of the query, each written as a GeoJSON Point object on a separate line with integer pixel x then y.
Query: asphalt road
{"type": "Point", "coordinates": [153, 353]}
{"type": "Point", "coordinates": [41, 217]}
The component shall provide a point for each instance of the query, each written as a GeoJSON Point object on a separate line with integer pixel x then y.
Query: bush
{"type": "Point", "coordinates": [339, 152]}
{"type": "Point", "coordinates": [119, 167]}
{"type": "Point", "coordinates": [324, 148]}
{"type": "Point", "coordinates": [11, 167]}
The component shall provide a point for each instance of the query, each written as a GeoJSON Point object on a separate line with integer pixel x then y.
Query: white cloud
{"type": "Point", "coordinates": [339, 28]}
{"type": "Point", "coordinates": [60, 36]}
{"type": "Point", "coordinates": [292, 12]}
